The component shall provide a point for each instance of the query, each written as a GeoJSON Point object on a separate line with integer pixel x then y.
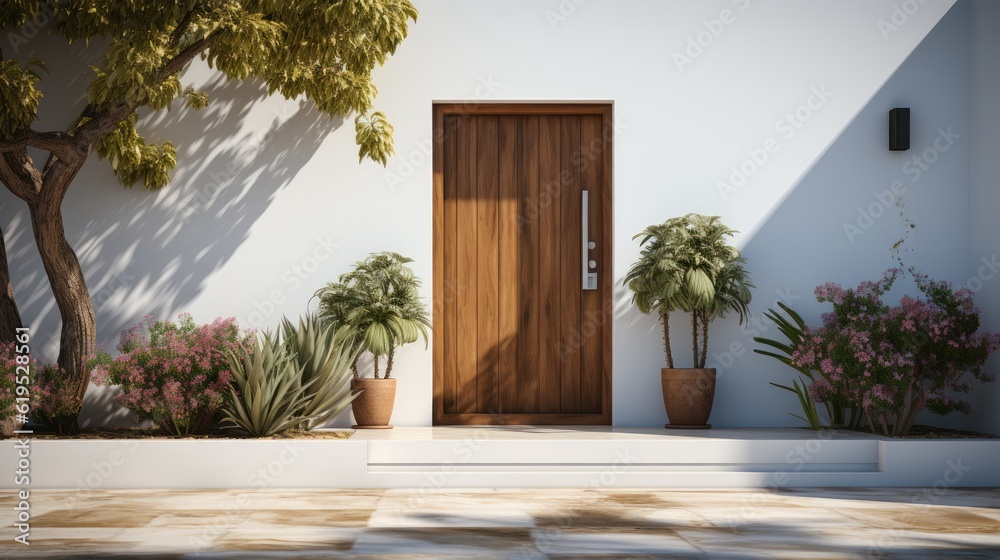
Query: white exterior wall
{"type": "Point", "coordinates": [295, 209]}
{"type": "Point", "coordinates": [985, 169]}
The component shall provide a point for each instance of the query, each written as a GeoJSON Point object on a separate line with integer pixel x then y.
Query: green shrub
{"type": "Point", "coordinates": [267, 392]}
{"type": "Point", "coordinates": [325, 356]}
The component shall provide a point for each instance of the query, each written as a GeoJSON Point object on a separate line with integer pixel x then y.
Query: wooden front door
{"type": "Point", "coordinates": [522, 311]}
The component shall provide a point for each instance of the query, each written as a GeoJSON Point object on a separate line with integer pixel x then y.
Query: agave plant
{"type": "Point", "coordinates": [268, 396]}
{"type": "Point", "coordinates": [325, 356]}
{"type": "Point", "coordinates": [379, 302]}
{"type": "Point", "coordinates": [687, 265]}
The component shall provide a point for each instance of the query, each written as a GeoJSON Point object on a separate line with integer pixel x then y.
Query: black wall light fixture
{"type": "Point", "coordinates": [899, 129]}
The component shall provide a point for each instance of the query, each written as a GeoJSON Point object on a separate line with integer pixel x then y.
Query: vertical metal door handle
{"type": "Point", "coordinates": [589, 278]}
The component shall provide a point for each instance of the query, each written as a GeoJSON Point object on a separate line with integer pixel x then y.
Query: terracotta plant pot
{"type": "Point", "coordinates": [687, 396]}
{"type": "Point", "coordinates": [373, 407]}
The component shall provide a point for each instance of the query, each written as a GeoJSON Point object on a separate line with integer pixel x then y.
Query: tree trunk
{"type": "Point", "coordinates": [704, 339]}
{"type": "Point", "coordinates": [912, 409]}
{"type": "Point", "coordinates": [694, 336]}
{"type": "Point", "coordinates": [388, 362]}
{"type": "Point", "coordinates": [665, 321]}
{"type": "Point", "coordinates": [78, 339]}
{"type": "Point", "coordinates": [10, 317]}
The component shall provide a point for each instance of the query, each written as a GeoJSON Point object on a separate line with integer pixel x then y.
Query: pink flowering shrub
{"type": "Point", "coordinates": [176, 375]}
{"type": "Point", "coordinates": [8, 377]}
{"type": "Point", "coordinates": [54, 401]}
{"type": "Point", "coordinates": [890, 363]}
{"type": "Point", "coordinates": [51, 398]}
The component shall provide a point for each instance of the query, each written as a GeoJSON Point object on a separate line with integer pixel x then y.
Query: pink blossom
{"type": "Point", "coordinates": [176, 375]}
{"type": "Point", "coordinates": [871, 355]}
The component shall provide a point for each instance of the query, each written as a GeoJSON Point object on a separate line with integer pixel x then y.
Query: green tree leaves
{"type": "Point", "coordinates": [133, 160]}
{"type": "Point", "coordinates": [19, 96]}
{"type": "Point", "coordinates": [686, 264]}
{"type": "Point", "coordinates": [373, 135]}
{"type": "Point", "coordinates": [322, 51]}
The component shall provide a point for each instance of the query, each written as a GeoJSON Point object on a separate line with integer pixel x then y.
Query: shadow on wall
{"type": "Point", "coordinates": [152, 252]}
{"type": "Point", "coordinates": [836, 226]}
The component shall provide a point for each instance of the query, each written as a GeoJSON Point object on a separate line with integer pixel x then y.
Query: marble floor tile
{"type": "Point", "coordinates": [469, 541]}
{"type": "Point", "coordinates": [439, 517]}
{"type": "Point", "coordinates": [556, 524]}
{"type": "Point", "coordinates": [611, 541]}
{"type": "Point", "coordinates": [927, 518]}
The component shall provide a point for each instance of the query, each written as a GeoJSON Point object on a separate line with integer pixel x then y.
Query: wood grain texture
{"type": "Point", "coordinates": [466, 220]}
{"type": "Point", "coordinates": [451, 287]}
{"type": "Point", "coordinates": [517, 340]}
{"type": "Point", "coordinates": [441, 258]}
{"type": "Point", "coordinates": [509, 273]}
{"type": "Point", "coordinates": [529, 293]}
{"type": "Point", "coordinates": [604, 265]}
{"type": "Point", "coordinates": [570, 204]}
{"type": "Point", "coordinates": [549, 288]}
{"type": "Point", "coordinates": [593, 320]}
{"type": "Point", "coordinates": [487, 265]}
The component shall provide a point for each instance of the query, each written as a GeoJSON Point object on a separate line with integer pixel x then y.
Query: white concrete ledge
{"type": "Point", "coordinates": [520, 457]}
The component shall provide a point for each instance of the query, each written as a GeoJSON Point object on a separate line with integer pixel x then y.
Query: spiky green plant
{"type": "Point", "coordinates": [792, 328]}
{"type": "Point", "coordinates": [380, 302]}
{"type": "Point", "coordinates": [268, 396]}
{"type": "Point", "coordinates": [687, 265]}
{"type": "Point", "coordinates": [325, 355]}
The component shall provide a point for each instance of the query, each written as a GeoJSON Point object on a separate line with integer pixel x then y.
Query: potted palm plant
{"type": "Point", "coordinates": [379, 302]}
{"type": "Point", "coordinates": [687, 265]}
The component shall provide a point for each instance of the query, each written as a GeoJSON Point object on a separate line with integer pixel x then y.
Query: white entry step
{"type": "Point", "coordinates": [435, 458]}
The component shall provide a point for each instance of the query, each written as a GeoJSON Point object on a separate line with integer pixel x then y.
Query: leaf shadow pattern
{"type": "Point", "coordinates": [153, 252]}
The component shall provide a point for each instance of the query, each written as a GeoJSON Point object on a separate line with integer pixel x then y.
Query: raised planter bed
{"type": "Point", "coordinates": [516, 457]}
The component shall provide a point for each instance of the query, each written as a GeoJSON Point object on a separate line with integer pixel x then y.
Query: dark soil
{"type": "Point", "coordinates": [140, 433]}
{"type": "Point", "coordinates": [930, 432]}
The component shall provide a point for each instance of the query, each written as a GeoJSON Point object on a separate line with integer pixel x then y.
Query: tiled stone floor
{"type": "Point", "coordinates": [725, 524]}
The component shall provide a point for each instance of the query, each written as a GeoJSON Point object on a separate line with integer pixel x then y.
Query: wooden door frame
{"type": "Point", "coordinates": [606, 284]}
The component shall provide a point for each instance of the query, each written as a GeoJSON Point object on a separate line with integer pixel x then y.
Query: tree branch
{"type": "Point", "coordinates": [182, 26]}
{"type": "Point", "coordinates": [10, 317]}
{"type": "Point", "coordinates": [59, 143]}
{"type": "Point", "coordinates": [105, 121]}
{"type": "Point", "coordinates": [19, 174]}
